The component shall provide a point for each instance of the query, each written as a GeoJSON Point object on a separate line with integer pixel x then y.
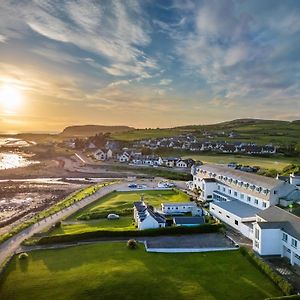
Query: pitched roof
{"type": "Point", "coordinates": [255, 179]}
{"type": "Point", "coordinates": [285, 220]}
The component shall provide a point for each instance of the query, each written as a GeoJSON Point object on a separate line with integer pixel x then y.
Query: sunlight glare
{"type": "Point", "coordinates": [10, 98]}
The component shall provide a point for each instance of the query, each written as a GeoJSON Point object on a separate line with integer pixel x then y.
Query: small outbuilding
{"type": "Point", "coordinates": [188, 221]}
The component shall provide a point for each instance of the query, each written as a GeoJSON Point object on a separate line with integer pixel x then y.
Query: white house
{"type": "Point", "coordinates": [146, 218]}
{"type": "Point", "coordinates": [124, 157]}
{"type": "Point", "coordinates": [100, 154]}
{"type": "Point", "coordinates": [184, 163]}
{"type": "Point", "coordinates": [149, 160]}
{"type": "Point", "coordinates": [181, 208]}
{"type": "Point", "coordinates": [277, 232]}
{"type": "Point", "coordinates": [236, 197]}
{"type": "Point", "coordinates": [170, 162]}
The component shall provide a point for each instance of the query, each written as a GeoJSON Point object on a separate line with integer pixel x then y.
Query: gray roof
{"type": "Point", "coordinates": [238, 208]}
{"type": "Point", "coordinates": [188, 220]}
{"type": "Point", "coordinates": [251, 178]}
{"type": "Point", "coordinates": [285, 220]}
{"type": "Point", "coordinates": [180, 204]}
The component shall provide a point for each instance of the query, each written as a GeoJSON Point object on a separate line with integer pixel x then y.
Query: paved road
{"type": "Point", "coordinates": [11, 245]}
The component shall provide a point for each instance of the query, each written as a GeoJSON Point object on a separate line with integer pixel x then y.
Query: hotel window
{"type": "Point", "coordinates": [235, 193]}
{"type": "Point", "coordinates": [256, 234]}
{"type": "Point", "coordinates": [256, 201]}
{"type": "Point", "coordinates": [294, 243]}
{"type": "Point", "coordinates": [223, 189]}
{"type": "Point", "coordinates": [242, 196]}
{"type": "Point", "coordinates": [213, 208]}
{"type": "Point", "coordinates": [284, 237]}
{"type": "Point", "coordinates": [227, 216]}
{"type": "Point", "coordinates": [229, 191]}
{"type": "Point", "coordinates": [248, 199]}
{"type": "Point", "coordinates": [256, 244]}
{"type": "Point", "coordinates": [264, 204]}
{"type": "Point", "coordinates": [220, 212]}
{"type": "Point", "coordinates": [236, 222]}
{"type": "Point", "coordinates": [218, 187]}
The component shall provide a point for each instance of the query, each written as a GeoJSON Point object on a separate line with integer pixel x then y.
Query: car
{"type": "Point", "coordinates": [141, 186]}
{"type": "Point", "coordinates": [113, 217]}
{"type": "Point", "coordinates": [132, 185]}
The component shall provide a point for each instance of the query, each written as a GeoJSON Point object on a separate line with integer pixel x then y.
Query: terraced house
{"type": "Point", "coordinates": [237, 197]}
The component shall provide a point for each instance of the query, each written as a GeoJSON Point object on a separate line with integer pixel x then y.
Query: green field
{"type": "Point", "coordinates": [123, 224]}
{"type": "Point", "coordinates": [262, 132]}
{"type": "Point", "coordinates": [123, 201]}
{"type": "Point", "coordinates": [277, 163]}
{"type": "Point", "coordinates": [116, 202]}
{"type": "Point", "coordinates": [111, 271]}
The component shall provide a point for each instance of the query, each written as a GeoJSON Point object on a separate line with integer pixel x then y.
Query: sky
{"type": "Point", "coordinates": [147, 63]}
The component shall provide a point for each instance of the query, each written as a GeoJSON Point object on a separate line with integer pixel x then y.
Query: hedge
{"type": "Point", "coordinates": [283, 284]}
{"type": "Point", "coordinates": [99, 215]}
{"type": "Point", "coordinates": [285, 297]}
{"type": "Point", "coordinates": [56, 239]}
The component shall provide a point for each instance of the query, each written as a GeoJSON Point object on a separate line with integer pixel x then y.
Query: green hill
{"type": "Point", "coordinates": [283, 133]}
{"type": "Point", "coordinates": [91, 130]}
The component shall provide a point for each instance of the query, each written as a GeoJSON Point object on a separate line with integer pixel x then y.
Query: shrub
{"type": "Point", "coordinates": [132, 244]}
{"type": "Point", "coordinates": [205, 228]}
{"type": "Point", "coordinates": [284, 285]}
{"type": "Point", "coordinates": [57, 224]}
{"type": "Point", "coordinates": [23, 256]}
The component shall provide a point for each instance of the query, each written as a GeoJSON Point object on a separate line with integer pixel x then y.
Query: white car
{"type": "Point", "coordinates": [113, 217]}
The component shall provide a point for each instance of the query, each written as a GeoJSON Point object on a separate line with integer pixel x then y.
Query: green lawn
{"type": "Point", "coordinates": [111, 271]}
{"type": "Point", "coordinates": [116, 202]}
{"type": "Point", "coordinates": [124, 223]}
{"type": "Point", "coordinates": [119, 201]}
{"type": "Point", "coordinates": [276, 162]}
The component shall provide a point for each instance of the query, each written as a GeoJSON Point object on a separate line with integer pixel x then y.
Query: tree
{"type": "Point", "coordinates": [132, 244]}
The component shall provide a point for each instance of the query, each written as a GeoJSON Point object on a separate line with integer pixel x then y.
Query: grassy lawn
{"type": "Point", "coordinates": [111, 271]}
{"type": "Point", "coordinates": [277, 163]}
{"type": "Point", "coordinates": [124, 223]}
{"type": "Point", "coordinates": [118, 201]}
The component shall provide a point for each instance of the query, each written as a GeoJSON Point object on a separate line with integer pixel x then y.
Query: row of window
{"type": "Point", "coordinates": [294, 242]}
{"type": "Point", "coordinates": [242, 196]}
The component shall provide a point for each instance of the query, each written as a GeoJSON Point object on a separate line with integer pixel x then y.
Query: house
{"type": "Point", "coordinates": [181, 208]}
{"type": "Point", "coordinates": [100, 154]}
{"type": "Point", "coordinates": [146, 218]}
{"type": "Point", "coordinates": [149, 160]}
{"type": "Point", "coordinates": [188, 221]}
{"type": "Point", "coordinates": [170, 162]}
{"type": "Point", "coordinates": [185, 163]}
{"type": "Point", "coordinates": [236, 197]}
{"type": "Point", "coordinates": [277, 232]}
{"type": "Point", "coordinates": [124, 157]}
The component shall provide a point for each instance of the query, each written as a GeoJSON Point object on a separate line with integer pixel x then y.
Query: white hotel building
{"type": "Point", "coordinates": [239, 199]}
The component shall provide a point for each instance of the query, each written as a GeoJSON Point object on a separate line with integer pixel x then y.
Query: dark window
{"type": "Point", "coordinates": [220, 212]}
{"type": "Point", "coordinates": [227, 216]}
{"type": "Point", "coordinates": [236, 222]}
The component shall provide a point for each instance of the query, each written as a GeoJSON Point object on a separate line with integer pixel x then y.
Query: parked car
{"type": "Point", "coordinates": [113, 217]}
{"type": "Point", "coordinates": [132, 185]}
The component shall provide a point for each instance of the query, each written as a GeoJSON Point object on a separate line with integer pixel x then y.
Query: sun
{"type": "Point", "coordinates": [10, 98]}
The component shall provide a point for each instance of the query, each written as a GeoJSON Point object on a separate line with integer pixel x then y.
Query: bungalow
{"type": "Point", "coordinates": [100, 154]}
{"type": "Point", "coordinates": [146, 218]}
{"type": "Point", "coordinates": [149, 160]}
{"type": "Point", "coordinates": [170, 162]}
{"type": "Point", "coordinates": [124, 157]}
{"type": "Point", "coordinates": [181, 208]}
{"type": "Point", "coordinates": [185, 163]}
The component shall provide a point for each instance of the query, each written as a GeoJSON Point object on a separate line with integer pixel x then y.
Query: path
{"type": "Point", "coordinates": [11, 245]}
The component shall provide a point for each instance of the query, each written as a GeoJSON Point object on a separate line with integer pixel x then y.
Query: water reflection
{"type": "Point", "coordinates": [13, 160]}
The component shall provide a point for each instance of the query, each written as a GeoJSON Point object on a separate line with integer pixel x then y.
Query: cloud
{"type": "Point", "coordinates": [165, 81]}
{"type": "Point", "coordinates": [112, 30]}
{"type": "Point", "coordinates": [3, 39]}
